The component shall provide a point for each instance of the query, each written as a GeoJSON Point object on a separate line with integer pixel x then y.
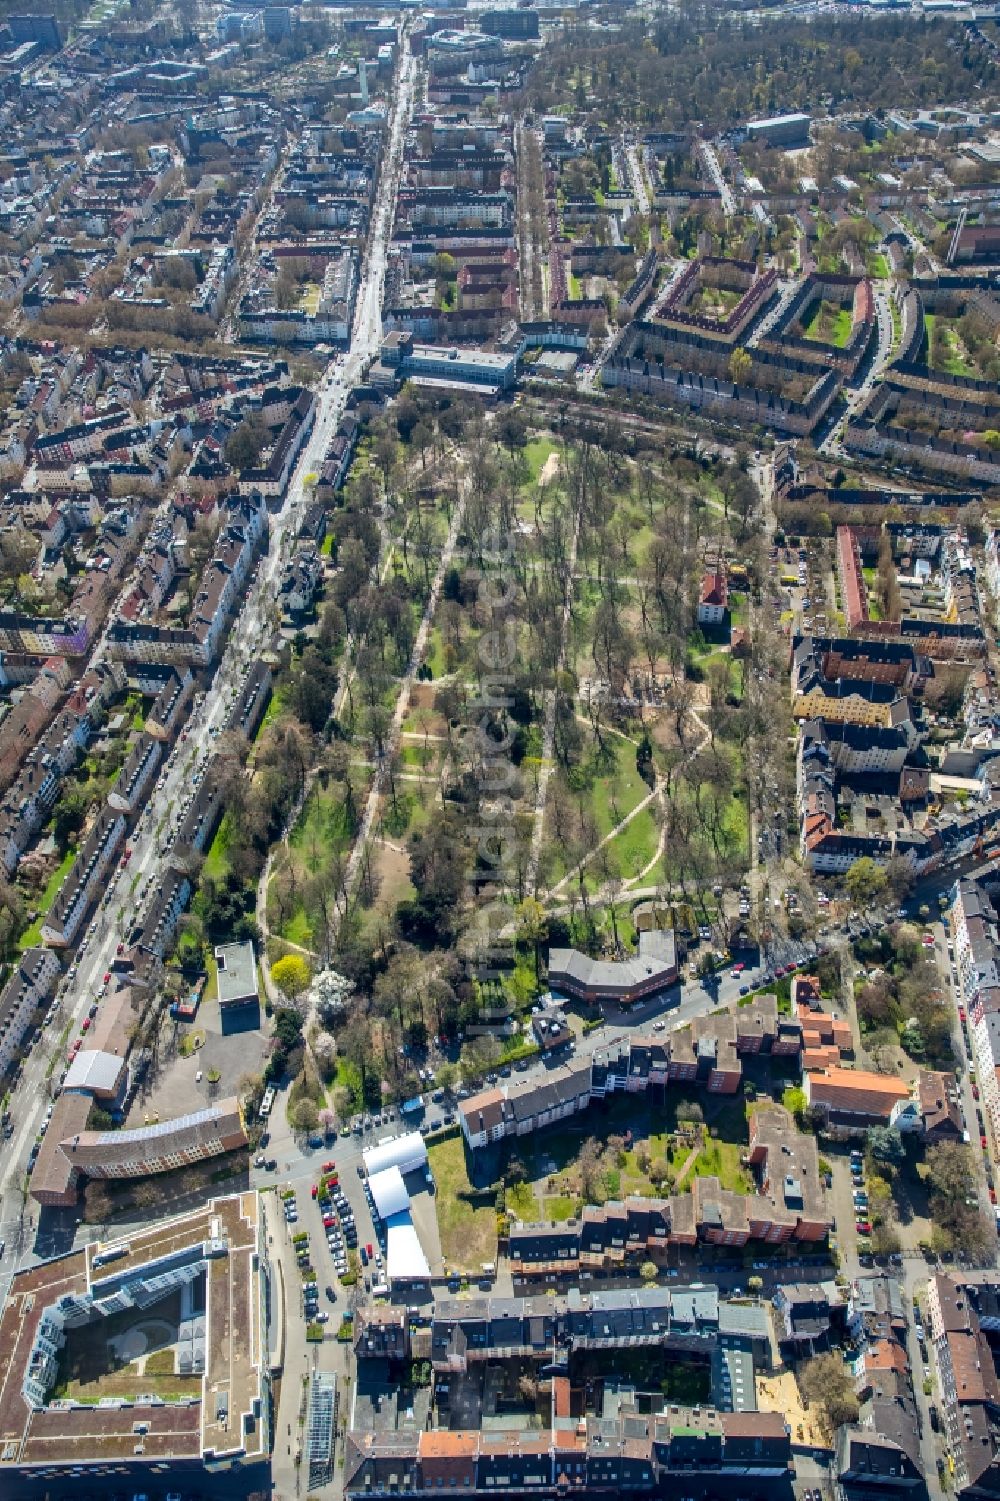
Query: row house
{"type": "Point", "coordinates": [83, 439]}
{"type": "Point", "coordinates": [137, 773]}
{"type": "Point", "coordinates": [222, 584]}
{"type": "Point", "coordinates": [27, 803]}
{"type": "Point", "coordinates": [87, 876]}
{"type": "Point", "coordinates": [683, 1319]}
{"type": "Point", "coordinates": [706, 1053]}
{"type": "Point", "coordinates": [44, 636]}
{"type": "Point", "coordinates": [630, 1453]}
{"type": "Point", "coordinates": [170, 704]}
{"type": "Point", "coordinates": [964, 1319]}
{"type": "Point", "coordinates": [272, 478]}
{"type": "Point", "coordinates": [159, 923]}
{"type": "Point", "coordinates": [788, 1203]}
{"type": "Point", "coordinates": [31, 986]}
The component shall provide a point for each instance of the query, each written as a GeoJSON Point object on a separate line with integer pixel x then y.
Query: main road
{"type": "Point", "coordinates": [130, 890]}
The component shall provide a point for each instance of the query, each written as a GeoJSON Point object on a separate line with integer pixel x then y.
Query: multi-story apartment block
{"type": "Point", "coordinates": [170, 703]}
{"type": "Point", "coordinates": [631, 1454]}
{"type": "Point", "coordinates": [137, 773]}
{"type": "Point", "coordinates": [964, 1325]}
{"type": "Point", "coordinates": [707, 1053]}
{"type": "Point", "coordinates": [222, 585]}
{"type": "Point", "coordinates": [86, 877]}
{"type": "Point", "coordinates": [788, 1204]}
{"type": "Point", "coordinates": [31, 985]}
{"type": "Point", "coordinates": [624, 981]}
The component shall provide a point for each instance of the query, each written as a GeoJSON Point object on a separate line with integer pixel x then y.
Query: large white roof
{"type": "Point", "coordinates": [405, 1152]}
{"type": "Point", "coordinates": [94, 1070]}
{"type": "Point", "coordinates": [405, 1260]}
{"type": "Point", "coordinates": [389, 1192]}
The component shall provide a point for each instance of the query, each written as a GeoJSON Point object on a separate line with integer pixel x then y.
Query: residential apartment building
{"type": "Point", "coordinates": [707, 1053]}
{"type": "Point", "coordinates": [964, 1325]}
{"type": "Point", "coordinates": [137, 773]}
{"type": "Point", "coordinates": [222, 585]}
{"type": "Point", "coordinates": [854, 1099]}
{"type": "Point", "coordinates": [975, 928]}
{"type": "Point", "coordinates": [632, 1454]}
{"type": "Point", "coordinates": [170, 703]}
{"type": "Point", "coordinates": [87, 876]}
{"type": "Point", "coordinates": [70, 1152]}
{"type": "Point", "coordinates": [31, 986]}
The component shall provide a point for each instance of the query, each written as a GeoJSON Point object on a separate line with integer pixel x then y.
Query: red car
{"type": "Point", "coordinates": [328, 1167]}
{"type": "Point", "coordinates": [315, 1190]}
{"type": "Point", "coordinates": [120, 949]}
{"type": "Point", "coordinates": [368, 1248]}
{"type": "Point", "coordinates": [982, 1142]}
{"type": "Point", "coordinates": [863, 1227]}
{"type": "Point", "coordinates": [86, 1028]}
{"type": "Point", "coordinates": [975, 1091]}
{"type": "Point", "coordinates": [328, 1222]}
{"type": "Point", "coordinates": [107, 977]}
{"type": "Point", "coordinates": [961, 1013]}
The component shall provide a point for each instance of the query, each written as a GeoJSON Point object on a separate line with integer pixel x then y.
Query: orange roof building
{"type": "Point", "coordinates": [855, 1098]}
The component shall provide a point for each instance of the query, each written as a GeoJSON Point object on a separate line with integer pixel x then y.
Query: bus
{"type": "Point", "coordinates": [267, 1102]}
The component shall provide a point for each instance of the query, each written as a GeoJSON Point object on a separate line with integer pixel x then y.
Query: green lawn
{"type": "Point", "coordinates": [953, 364]}
{"type": "Point", "coordinates": [466, 1216]}
{"type": "Point", "coordinates": [217, 861]}
{"type": "Point", "coordinates": [322, 828]}
{"type": "Point", "coordinates": [632, 849]}
{"type": "Point", "coordinates": [610, 787]}
{"type": "Point", "coordinates": [828, 323]}
{"type": "Point", "coordinates": [877, 265]}
{"type": "Point", "coordinates": [721, 1159]}
{"type": "Point", "coordinates": [536, 452]}
{"type": "Point", "coordinates": [521, 1201]}
{"type": "Point", "coordinates": [274, 708]}
{"type": "Point", "coordinates": [33, 934]}
{"type": "Point", "coordinates": [560, 1207]}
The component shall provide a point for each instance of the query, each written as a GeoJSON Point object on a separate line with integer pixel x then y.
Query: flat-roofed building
{"type": "Point", "coordinates": [237, 975]}
{"type": "Point", "coordinates": [211, 1264]}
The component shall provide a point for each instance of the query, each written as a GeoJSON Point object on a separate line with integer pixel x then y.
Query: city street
{"type": "Point", "coordinates": [114, 918]}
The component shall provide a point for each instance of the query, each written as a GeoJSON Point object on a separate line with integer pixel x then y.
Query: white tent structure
{"type": "Point", "coordinates": [405, 1260]}
{"type": "Point", "coordinates": [389, 1193]}
{"type": "Point", "coordinates": [407, 1153]}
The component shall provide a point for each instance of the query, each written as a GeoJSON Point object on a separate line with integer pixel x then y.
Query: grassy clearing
{"type": "Point", "coordinates": [211, 991]}
{"type": "Point", "coordinates": [536, 453]}
{"type": "Point", "coordinates": [274, 708]}
{"type": "Point", "coordinates": [33, 933]}
{"type": "Point", "coordinates": [721, 1159]}
{"type": "Point", "coordinates": [466, 1215]}
{"type": "Point", "coordinates": [828, 324]}
{"type": "Point", "coordinates": [217, 860]}
{"type": "Point", "coordinates": [610, 787]}
{"type": "Point", "coordinates": [632, 849]}
{"type": "Point", "coordinates": [954, 363]}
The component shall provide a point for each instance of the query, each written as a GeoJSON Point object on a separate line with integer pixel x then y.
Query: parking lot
{"type": "Point", "coordinates": [181, 1084]}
